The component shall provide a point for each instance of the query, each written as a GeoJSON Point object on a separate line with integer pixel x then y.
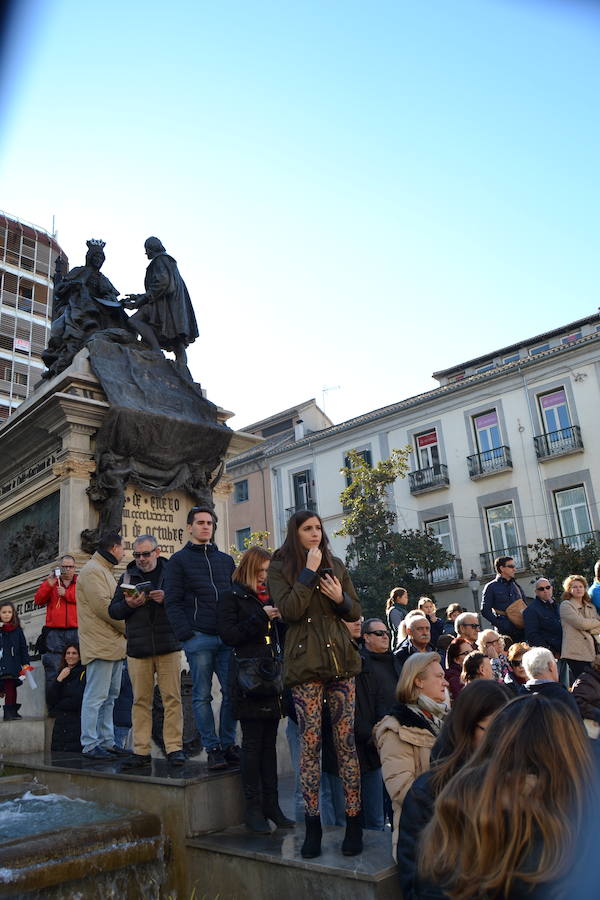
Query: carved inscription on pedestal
{"type": "Point", "coordinates": [164, 517]}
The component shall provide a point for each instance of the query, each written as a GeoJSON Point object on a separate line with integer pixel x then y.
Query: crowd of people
{"type": "Point", "coordinates": [474, 745]}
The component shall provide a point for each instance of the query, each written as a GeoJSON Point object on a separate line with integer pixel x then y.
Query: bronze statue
{"type": "Point", "coordinates": [85, 303]}
{"type": "Point", "coordinates": [165, 317]}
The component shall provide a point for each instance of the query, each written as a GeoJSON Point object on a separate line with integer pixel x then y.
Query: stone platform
{"type": "Point", "coordinates": [26, 735]}
{"type": "Point", "coordinates": [239, 866]}
{"type": "Point", "coordinates": [189, 799]}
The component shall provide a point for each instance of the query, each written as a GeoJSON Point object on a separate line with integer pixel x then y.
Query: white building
{"type": "Point", "coordinates": [503, 453]}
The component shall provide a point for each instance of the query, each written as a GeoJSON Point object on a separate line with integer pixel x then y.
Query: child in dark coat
{"type": "Point", "coordinates": [13, 657]}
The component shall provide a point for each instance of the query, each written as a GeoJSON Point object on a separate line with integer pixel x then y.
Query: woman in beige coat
{"type": "Point", "coordinates": [580, 623]}
{"type": "Point", "coordinates": [405, 737]}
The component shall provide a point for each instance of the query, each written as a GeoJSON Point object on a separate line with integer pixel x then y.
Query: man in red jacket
{"type": "Point", "coordinates": [57, 594]}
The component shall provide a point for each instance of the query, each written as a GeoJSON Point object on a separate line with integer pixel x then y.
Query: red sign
{"type": "Point", "coordinates": [424, 440]}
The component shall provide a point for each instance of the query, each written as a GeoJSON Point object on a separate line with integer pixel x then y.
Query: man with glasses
{"type": "Point", "coordinates": [466, 626]}
{"type": "Point", "coordinates": [542, 619]}
{"type": "Point", "coordinates": [152, 649]}
{"type": "Point", "coordinates": [57, 594]}
{"type": "Point", "coordinates": [500, 594]}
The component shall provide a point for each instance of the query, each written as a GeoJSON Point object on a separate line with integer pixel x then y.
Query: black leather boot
{"type": "Point", "coordinates": [352, 843]}
{"type": "Point", "coordinates": [312, 838]}
{"type": "Point", "coordinates": [272, 811]}
{"type": "Point", "coordinates": [254, 819]}
{"type": "Point", "coordinates": [10, 712]}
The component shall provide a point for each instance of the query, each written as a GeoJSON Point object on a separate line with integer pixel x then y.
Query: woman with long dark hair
{"type": "Point", "coordinates": [462, 732]}
{"type": "Point", "coordinates": [247, 621]}
{"type": "Point", "coordinates": [65, 696]}
{"type": "Point", "coordinates": [312, 590]}
{"type": "Point", "coordinates": [396, 608]}
{"type": "Point", "coordinates": [510, 822]}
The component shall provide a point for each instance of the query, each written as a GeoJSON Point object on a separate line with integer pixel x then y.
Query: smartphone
{"type": "Point", "coordinates": [324, 572]}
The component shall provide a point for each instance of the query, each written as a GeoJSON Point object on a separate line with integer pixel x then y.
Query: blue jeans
{"type": "Point", "coordinates": [207, 654]}
{"type": "Point", "coordinates": [102, 686]}
{"type": "Point", "coordinates": [371, 792]}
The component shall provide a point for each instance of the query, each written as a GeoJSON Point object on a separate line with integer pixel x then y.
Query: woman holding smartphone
{"type": "Point", "coordinates": [314, 594]}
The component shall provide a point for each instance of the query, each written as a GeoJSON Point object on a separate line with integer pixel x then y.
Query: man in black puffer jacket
{"type": "Point", "coordinates": [151, 648]}
{"type": "Point", "coordinates": [197, 578]}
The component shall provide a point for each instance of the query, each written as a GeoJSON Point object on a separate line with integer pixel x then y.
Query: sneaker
{"type": "Point", "coordinates": [97, 753]}
{"type": "Point", "coordinates": [216, 759]}
{"type": "Point", "coordinates": [137, 761]}
{"type": "Point", "coordinates": [118, 751]}
{"type": "Point", "coordinates": [232, 755]}
{"type": "Point", "coordinates": [176, 758]}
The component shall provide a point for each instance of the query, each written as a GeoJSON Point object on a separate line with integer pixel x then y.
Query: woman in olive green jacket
{"type": "Point", "coordinates": [314, 594]}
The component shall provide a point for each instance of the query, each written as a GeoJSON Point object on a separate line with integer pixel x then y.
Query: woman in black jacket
{"type": "Point", "coordinates": [247, 621]}
{"type": "Point", "coordinates": [65, 695]}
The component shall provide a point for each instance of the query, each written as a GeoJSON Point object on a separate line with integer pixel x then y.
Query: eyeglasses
{"type": "Point", "coordinates": [509, 566]}
{"type": "Point", "coordinates": [471, 625]}
{"type": "Point", "coordinates": [146, 554]}
{"type": "Point", "coordinates": [379, 633]}
{"type": "Point", "coordinates": [544, 587]}
{"type": "Point", "coordinates": [68, 567]}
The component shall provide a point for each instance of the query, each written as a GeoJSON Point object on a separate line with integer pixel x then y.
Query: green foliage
{"type": "Point", "coordinates": [379, 558]}
{"type": "Point", "coordinates": [555, 561]}
{"type": "Point", "coordinates": [256, 539]}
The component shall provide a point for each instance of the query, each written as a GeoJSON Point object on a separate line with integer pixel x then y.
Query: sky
{"type": "Point", "coordinates": [357, 194]}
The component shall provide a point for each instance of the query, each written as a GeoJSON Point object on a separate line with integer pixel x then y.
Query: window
{"type": "Point", "coordinates": [240, 491]}
{"type": "Point", "coordinates": [573, 515]}
{"type": "Point", "coordinates": [487, 434]}
{"type": "Point", "coordinates": [485, 368]}
{"type": "Point", "coordinates": [19, 378]}
{"type": "Point", "coordinates": [366, 455]}
{"type": "Point", "coordinates": [512, 358]}
{"type": "Point", "coordinates": [301, 483]}
{"type": "Point", "coordinates": [534, 350]}
{"type": "Point", "coordinates": [240, 536]}
{"type": "Point", "coordinates": [502, 530]}
{"type": "Point", "coordinates": [569, 338]}
{"type": "Point", "coordinates": [427, 447]}
{"type": "Point", "coordinates": [440, 530]}
{"type": "Point", "coordinates": [555, 413]}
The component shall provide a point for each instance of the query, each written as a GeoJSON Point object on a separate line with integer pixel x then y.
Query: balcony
{"type": "Point", "coordinates": [518, 554]}
{"type": "Point", "coordinates": [310, 505]}
{"type": "Point", "coordinates": [558, 443]}
{"type": "Point", "coordinates": [428, 479]}
{"type": "Point", "coordinates": [451, 574]}
{"type": "Point", "coordinates": [490, 462]}
{"type": "Point", "coordinates": [576, 541]}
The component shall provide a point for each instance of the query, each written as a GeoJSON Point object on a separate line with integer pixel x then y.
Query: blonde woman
{"type": "Point", "coordinates": [580, 622]}
{"type": "Point", "coordinates": [405, 737]}
{"type": "Point", "coordinates": [491, 644]}
{"type": "Point", "coordinates": [427, 607]}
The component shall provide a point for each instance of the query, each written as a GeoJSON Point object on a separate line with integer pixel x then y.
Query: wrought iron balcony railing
{"type": "Point", "coordinates": [518, 554]}
{"type": "Point", "coordinates": [489, 462]}
{"type": "Point", "coordinates": [577, 541]}
{"type": "Point", "coordinates": [428, 479]}
{"type": "Point", "coordinates": [558, 443]}
{"type": "Point", "coordinates": [448, 575]}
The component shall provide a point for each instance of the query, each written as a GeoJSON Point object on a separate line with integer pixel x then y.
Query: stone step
{"type": "Point", "coordinates": [26, 735]}
{"type": "Point", "coordinates": [270, 866]}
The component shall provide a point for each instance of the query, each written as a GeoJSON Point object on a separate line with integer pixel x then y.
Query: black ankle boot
{"type": "Point", "coordinates": [272, 811]}
{"type": "Point", "coordinates": [312, 839]}
{"type": "Point", "coordinates": [254, 819]}
{"type": "Point", "coordinates": [10, 712]}
{"type": "Point", "coordinates": [352, 843]}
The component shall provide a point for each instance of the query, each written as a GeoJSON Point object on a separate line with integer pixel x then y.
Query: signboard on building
{"type": "Point", "coordinates": [163, 517]}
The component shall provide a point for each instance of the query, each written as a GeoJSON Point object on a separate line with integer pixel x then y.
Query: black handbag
{"type": "Point", "coordinates": [262, 676]}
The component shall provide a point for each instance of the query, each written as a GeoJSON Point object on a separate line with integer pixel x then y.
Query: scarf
{"type": "Point", "coordinates": [262, 594]}
{"type": "Point", "coordinates": [9, 626]}
{"type": "Point", "coordinates": [431, 710]}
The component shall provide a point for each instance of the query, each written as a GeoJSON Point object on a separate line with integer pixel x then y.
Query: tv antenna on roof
{"type": "Point", "coordinates": [325, 390]}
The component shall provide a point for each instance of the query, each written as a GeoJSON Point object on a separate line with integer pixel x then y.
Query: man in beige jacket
{"type": "Point", "coordinates": [102, 648]}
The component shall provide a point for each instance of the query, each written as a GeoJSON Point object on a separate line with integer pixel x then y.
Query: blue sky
{"type": "Point", "coordinates": [358, 194]}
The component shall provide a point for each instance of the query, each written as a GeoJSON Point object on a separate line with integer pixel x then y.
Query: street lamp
{"type": "Point", "coordinates": [474, 585]}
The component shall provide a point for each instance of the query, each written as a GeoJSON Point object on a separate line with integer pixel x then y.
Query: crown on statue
{"type": "Point", "coordinates": [95, 242]}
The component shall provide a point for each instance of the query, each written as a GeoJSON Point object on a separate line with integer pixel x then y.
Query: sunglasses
{"type": "Point", "coordinates": [67, 567]}
{"type": "Point", "coordinates": [379, 633]}
{"type": "Point", "coordinates": [544, 587]}
{"type": "Point", "coordinates": [146, 554]}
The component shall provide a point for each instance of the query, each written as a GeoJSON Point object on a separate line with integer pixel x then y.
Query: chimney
{"type": "Point", "coordinates": [298, 429]}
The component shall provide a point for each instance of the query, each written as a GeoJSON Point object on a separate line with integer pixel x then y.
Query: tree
{"type": "Point", "coordinates": [379, 558]}
{"type": "Point", "coordinates": [254, 539]}
{"type": "Point", "coordinates": [555, 560]}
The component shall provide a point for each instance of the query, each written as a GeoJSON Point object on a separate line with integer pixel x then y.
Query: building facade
{"type": "Point", "coordinates": [250, 502]}
{"type": "Point", "coordinates": [503, 452]}
{"type": "Point", "coordinates": [28, 258]}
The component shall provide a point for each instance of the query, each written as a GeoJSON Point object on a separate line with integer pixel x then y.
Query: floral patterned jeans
{"type": "Point", "coordinates": [308, 701]}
